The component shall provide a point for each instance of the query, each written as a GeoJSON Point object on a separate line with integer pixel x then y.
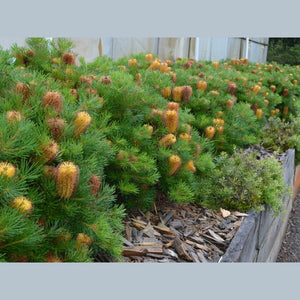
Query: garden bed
{"type": "Point", "coordinates": [191, 233]}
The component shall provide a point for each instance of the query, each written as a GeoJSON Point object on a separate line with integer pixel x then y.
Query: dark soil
{"type": "Point", "coordinates": [290, 248]}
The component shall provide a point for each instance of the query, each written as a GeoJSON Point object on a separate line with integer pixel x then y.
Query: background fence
{"type": "Point", "coordinates": [203, 48]}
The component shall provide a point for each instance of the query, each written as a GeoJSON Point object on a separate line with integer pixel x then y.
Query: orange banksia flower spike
{"type": "Point", "coordinates": [66, 178]}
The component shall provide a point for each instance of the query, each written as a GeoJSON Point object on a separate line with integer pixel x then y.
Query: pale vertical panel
{"type": "Point", "coordinates": [192, 48]}
{"type": "Point", "coordinates": [86, 47]}
{"type": "Point", "coordinates": [257, 52]}
{"type": "Point", "coordinates": [204, 49]}
{"type": "Point", "coordinates": [107, 46]}
{"type": "Point", "coordinates": [126, 46]}
{"type": "Point", "coordinates": [6, 43]}
{"type": "Point", "coordinates": [219, 47]}
{"type": "Point", "coordinates": [234, 48]}
{"type": "Point", "coordinates": [172, 48]}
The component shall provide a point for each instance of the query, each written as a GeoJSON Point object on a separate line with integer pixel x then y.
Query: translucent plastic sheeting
{"type": "Point", "coordinates": [6, 43]}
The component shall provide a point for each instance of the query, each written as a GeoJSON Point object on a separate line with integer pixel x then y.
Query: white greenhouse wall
{"type": "Point", "coordinates": [203, 48]}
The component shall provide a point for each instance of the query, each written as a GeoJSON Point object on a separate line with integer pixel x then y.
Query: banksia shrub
{"type": "Point", "coordinates": [171, 120]}
{"type": "Point", "coordinates": [168, 140]}
{"type": "Point", "coordinates": [22, 204]}
{"type": "Point", "coordinates": [7, 170]}
{"type": "Point", "coordinates": [54, 100]}
{"type": "Point", "coordinates": [174, 163]}
{"type": "Point", "coordinates": [81, 123]}
{"type": "Point", "coordinates": [66, 178]}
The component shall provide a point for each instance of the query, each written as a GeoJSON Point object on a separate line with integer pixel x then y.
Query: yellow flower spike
{"type": "Point", "coordinates": [168, 140]}
{"type": "Point", "coordinates": [171, 121]}
{"type": "Point", "coordinates": [83, 239]}
{"type": "Point", "coordinates": [166, 92]}
{"type": "Point", "coordinates": [81, 123]}
{"type": "Point", "coordinates": [150, 128]}
{"type": "Point", "coordinates": [149, 57]}
{"type": "Point", "coordinates": [22, 204]}
{"type": "Point", "coordinates": [285, 110]}
{"type": "Point", "coordinates": [173, 106]}
{"type": "Point", "coordinates": [132, 62]}
{"type": "Point", "coordinates": [7, 169]}
{"type": "Point", "coordinates": [190, 166]}
{"type": "Point", "coordinates": [177, 93]}
{"type": "Point", "coordinates": [13, 115]}
{"type": "Point", "coordinates": [216, 64]}
{"type": "Point", "coordinates": [259, 113]}
{"type": "Point", "coordinates": [185, 136]}
{"type": "Point", "coordinates": [66, 178]}
{"type": "Point", "coordinates": [155, 65]}
{"type": "Point", "coordinates": [174, 163]}
{"type": "Point", "coordinates": [169, 62]}
{"type": "Point", "coordinates": [256, 89]}
{"type": "Point", "coordinates": [202, 85]}
{"type": "Point", "coordinates": [210, 132]}
{"type": "Point", "coordinates": [163, 67]}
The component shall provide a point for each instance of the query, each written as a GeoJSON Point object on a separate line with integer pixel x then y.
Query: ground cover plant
{"type": "Point", "coordinates": [80, 142]}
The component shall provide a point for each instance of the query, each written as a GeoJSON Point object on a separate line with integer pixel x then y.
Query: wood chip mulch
{"type": "Point", "coordinates": [178, 233]}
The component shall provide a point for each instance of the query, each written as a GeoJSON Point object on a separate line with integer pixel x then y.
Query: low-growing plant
{"type": "Point", "coordinates": [242, 182]}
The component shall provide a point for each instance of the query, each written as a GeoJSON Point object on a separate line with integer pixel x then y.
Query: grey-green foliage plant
{"type": "Point", "coordinates": [242, 182]}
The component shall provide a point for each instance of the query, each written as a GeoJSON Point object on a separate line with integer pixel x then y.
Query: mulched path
{"type": "Point", "coordinates": [290, 248]}
{"type": "Point", "coordinates": [176, 233]}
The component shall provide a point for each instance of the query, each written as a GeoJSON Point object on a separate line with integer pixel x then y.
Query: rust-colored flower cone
{"type": "Point", "coordinates": [106, 80]}
{"type": "Point", "coordinates": [53, 99]}
{"type": "Point", "coordinates": [68, 59]}
{"type": "Point", "coordinates": [50, 151]}
{"type": "Point", "coordinates": [187, 92]}
{"type": "Point", "coordinates": [95, 183]}
{"type": "Point", "coordinates": [56, 127]}
{"type": "Point", "coordinates": [232, 87]}
{"type": "Point", "coordinates": [66, 178]}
